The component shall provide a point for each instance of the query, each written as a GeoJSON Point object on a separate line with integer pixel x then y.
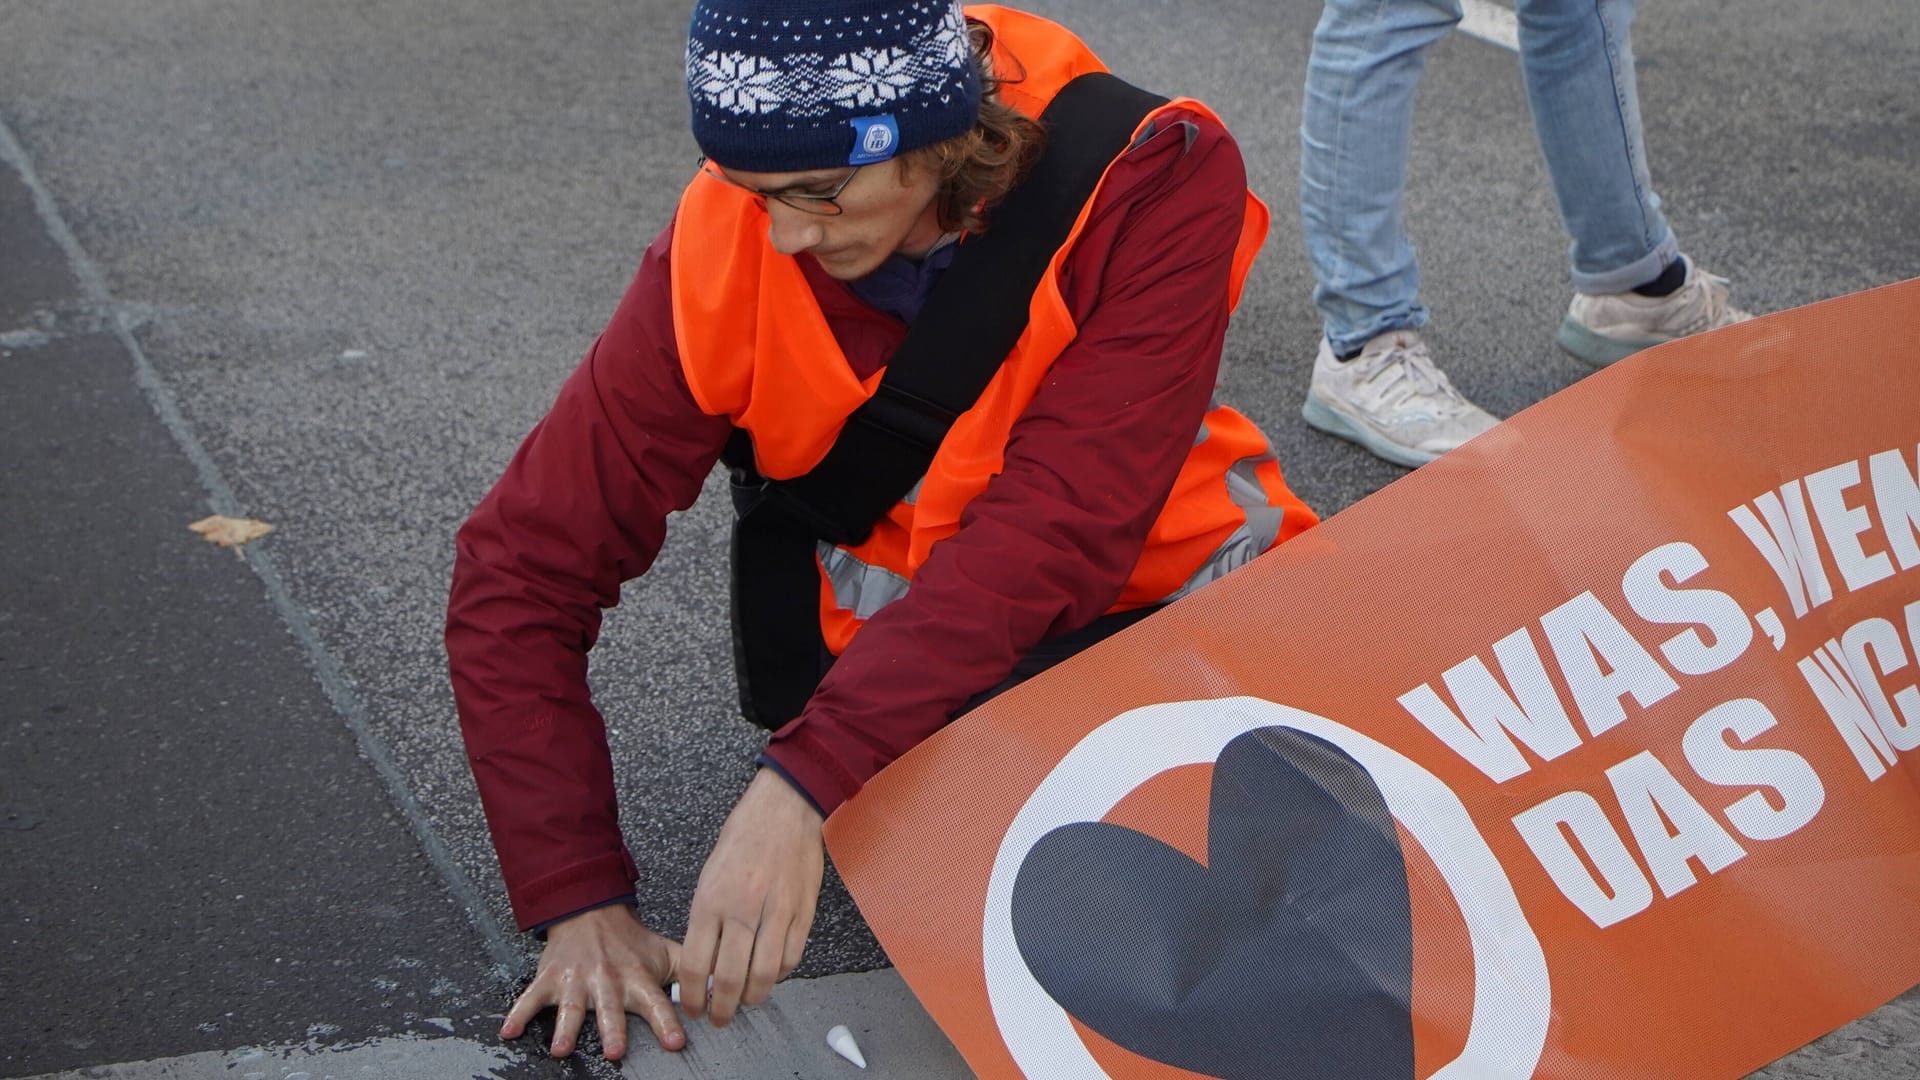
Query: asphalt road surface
{"type": "Point", "coordinates": [324, 262]}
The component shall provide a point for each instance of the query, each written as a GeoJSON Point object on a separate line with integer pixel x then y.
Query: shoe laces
{"type": "Point", "coordinates": [1708, 298]}
{"type": "Point", "coordinates": [1405, 373]}
{"type": "Point", "coordinates": [1720, 309]}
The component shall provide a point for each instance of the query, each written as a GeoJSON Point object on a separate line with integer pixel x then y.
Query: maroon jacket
{"type": "Point", "coordinates": [582, 508]}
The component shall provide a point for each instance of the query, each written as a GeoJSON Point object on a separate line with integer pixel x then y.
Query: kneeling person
{"type": "Point", "coordinates": [950, 301]}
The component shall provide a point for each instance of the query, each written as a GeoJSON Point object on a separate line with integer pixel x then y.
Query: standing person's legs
{"type": "Point", "coordinates": [1577, 56]}
{"type": "Point", "coordinates": [1373, 381]}
{"type": "Point", "coordinates": [1632, 287]}
{"type": "Point", "coordinates": [1356, 121]}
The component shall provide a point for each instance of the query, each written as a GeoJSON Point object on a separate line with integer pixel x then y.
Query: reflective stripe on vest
{"type": "Point", "coordinates": [1260, 532]}
{"type": "Point", "coordinates": [858, 588]}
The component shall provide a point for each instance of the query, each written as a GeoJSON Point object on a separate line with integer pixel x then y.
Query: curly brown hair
{"type": "Point", "coordinates": [978, 169]}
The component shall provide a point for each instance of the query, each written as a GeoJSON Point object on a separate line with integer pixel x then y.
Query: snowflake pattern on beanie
{"type": "Point", "coordinates": [774, 85]}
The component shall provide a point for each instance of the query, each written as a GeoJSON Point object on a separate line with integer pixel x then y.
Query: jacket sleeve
{"type": "Point", "coordinates": [581, 509]}
{"type": "Point", "coordinates": [1050, 543]}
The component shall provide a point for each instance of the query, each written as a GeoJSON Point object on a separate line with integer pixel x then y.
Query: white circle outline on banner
{"type": "Point", "coordinates": [1512, 993]}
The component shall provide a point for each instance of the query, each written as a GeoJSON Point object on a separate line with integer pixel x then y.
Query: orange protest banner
{"type": "Point", "coordinates": [1585, 751]}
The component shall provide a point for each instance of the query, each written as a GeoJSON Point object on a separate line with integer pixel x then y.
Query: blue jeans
{"type": "Point", "coordinates": [1577, 59]}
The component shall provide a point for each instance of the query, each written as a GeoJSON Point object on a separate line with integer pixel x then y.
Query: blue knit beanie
{"type": "Point", "coordinates": [793, 85]}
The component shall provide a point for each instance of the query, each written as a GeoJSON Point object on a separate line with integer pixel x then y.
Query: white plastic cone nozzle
{"type": "Point", "coordinates": [673, 990]}
{"type": "Point", "coordinates": [841, 1040]}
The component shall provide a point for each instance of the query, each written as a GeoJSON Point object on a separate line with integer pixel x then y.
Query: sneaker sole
{"type": "Point", "coordinates": [1596, 349]}
{"type": "Point", "coordinates": [1336, 423]}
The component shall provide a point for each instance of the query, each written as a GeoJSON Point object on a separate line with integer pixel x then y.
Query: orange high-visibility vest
{"type": "Point", "coordinates": [756, 348]}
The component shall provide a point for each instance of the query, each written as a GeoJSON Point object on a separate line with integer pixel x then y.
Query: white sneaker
{"type": "Point", "coordinates": [1392, 400]}
{"type": "Point", "coordinates": [1603, 329]}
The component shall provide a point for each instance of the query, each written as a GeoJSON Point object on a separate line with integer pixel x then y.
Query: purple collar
{"type": "Point", "coordinates": [900, 286]}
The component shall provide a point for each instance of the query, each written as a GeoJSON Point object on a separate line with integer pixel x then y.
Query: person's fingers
{"type": "Point", "coordinates": [525, 1008]}
{"type": "Point", "coordinates": [769, 951]}
{"type": "Point", "coordinates": [653, 1005]}
{"type": "Point", "coordinates": [566, 1026]}
{"type": "Point", "coordinates": [673, 960]}
{"type": "Point", "coordinates": [802, 926]}
{"type": "Point", "coordinates": [809, 905]}
{"type": "Point", "coordinates": [695, 964]}
{"type": "Point", "coordinates": [610, 1013]}
{"type": "Point", "coordinates": [796, 943]}
{"type": "Point", "coordinates": [729, 971]}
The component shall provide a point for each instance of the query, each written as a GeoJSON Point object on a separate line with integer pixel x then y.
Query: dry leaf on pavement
{"type": "Point", "coordinates": [230, 532]}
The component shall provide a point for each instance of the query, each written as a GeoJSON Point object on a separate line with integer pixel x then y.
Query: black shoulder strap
{"type": "Point", "coordinates": [970, 323]}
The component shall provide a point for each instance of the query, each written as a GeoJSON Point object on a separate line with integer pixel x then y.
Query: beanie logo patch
{"type": "Point", "coordinates": [874, 139]}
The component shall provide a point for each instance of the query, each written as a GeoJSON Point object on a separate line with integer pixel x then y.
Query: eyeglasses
{"type": "Point", "coordinates": [808, 202]}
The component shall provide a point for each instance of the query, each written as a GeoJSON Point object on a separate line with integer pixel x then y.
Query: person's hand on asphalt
{"type": "Point", "coordinates": [608, 961]}
{"type": "Point", "coordinates": [754, 905]}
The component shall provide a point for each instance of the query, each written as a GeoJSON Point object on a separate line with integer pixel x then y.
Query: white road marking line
{"type": "Point", "coordinates": [1491, 23]}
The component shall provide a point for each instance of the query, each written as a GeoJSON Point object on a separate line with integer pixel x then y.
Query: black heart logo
{"type": "Point", "coordinates": [1290, 954]}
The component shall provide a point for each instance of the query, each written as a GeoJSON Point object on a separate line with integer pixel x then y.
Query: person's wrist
{"type": "Point", "coordinates": [789, 794]}
{"type": "Point", "coordinates": [592, 919]}
{"type": "Point", "coordinates": [768, 761]}
{"type": "Point", "coordinates": [539, 931]}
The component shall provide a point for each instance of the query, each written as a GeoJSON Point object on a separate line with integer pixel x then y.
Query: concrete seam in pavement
{"type": "Point", "coordinates": [221, 499]}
